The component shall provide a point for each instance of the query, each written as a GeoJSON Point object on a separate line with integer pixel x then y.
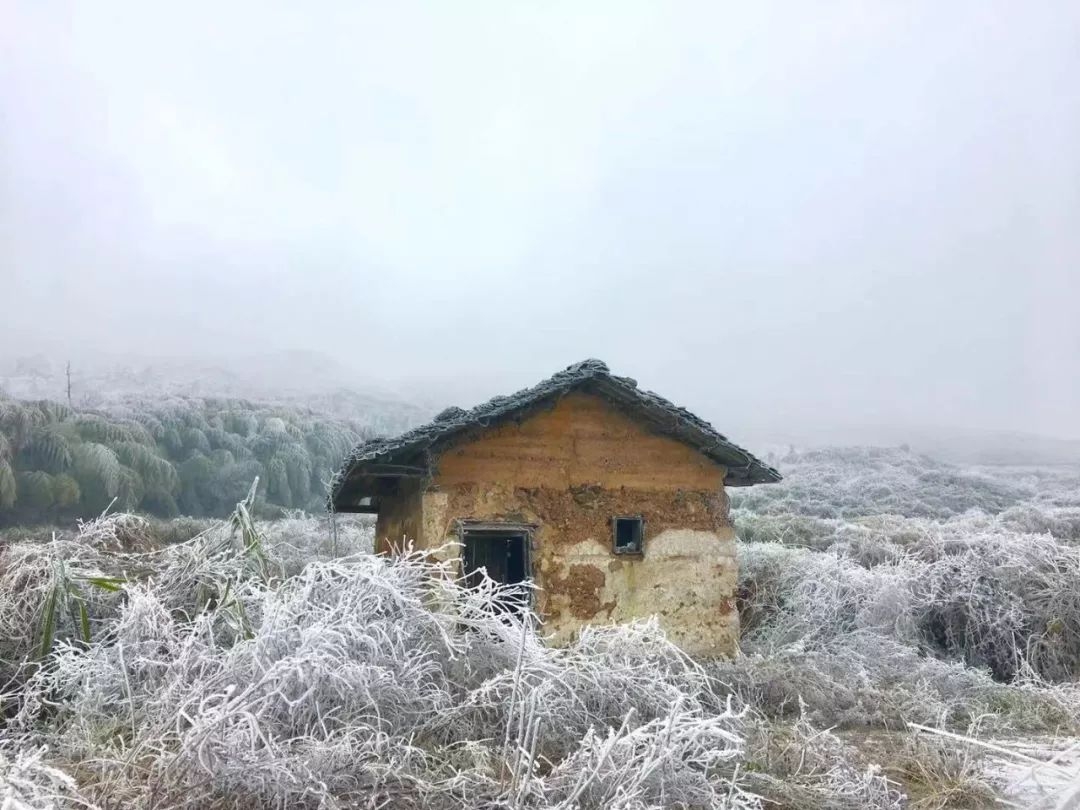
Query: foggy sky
{"type": "Point", "coordinates": [775, 214]}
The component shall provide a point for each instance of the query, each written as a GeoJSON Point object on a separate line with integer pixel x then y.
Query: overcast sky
{"type": "Point", "coordinates": [776, 214]}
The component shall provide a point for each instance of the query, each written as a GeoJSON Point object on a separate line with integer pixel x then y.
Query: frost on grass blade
{"type": "Point", "coordinates": [252, 666]}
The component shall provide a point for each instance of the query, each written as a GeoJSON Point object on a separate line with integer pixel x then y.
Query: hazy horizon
{"type": "Point", "coordinates": [785, 218]}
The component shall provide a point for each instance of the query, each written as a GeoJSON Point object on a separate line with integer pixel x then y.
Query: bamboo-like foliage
{"type": "Point", "coordinates": [222, 458]}
{"type": "Point", "coordinates": [130, 490]}
{"type": "Point", "coordinates": [8, 488]}
{"type": "Point", "coordinates": [48, 448]}
{"type": "Point", "coordinates": [137, 431]}
{"type": "Point", "coordinates": [172, 442]}
{"type": "Point", "coordinates": [36, 489]}
{"type": "Point", "coordinates": [277, 476]}
{"type": "Point", "coordinates": [156, 472]}
{"type": "Point", "coordinates": [273, 425]}
{"type": "Point", "coordinates": [17, 420]}
{"type": "Point", "coordinates": [231, 482]}
{"type": "Point", "coordinates": [54, 411]}
{"type": "Point", "coordinates": [66, 492]}
{"type": "Point", "coordinates": [152, 424]}
{"type": "Point", "coordinates": [94, 428]}
{"type": "Point", "coordinates": [195, 456]}
{"type": "Point", "coordinates": [194, 440]}
{"type": "Point", "coordinates": [241, 423]}
{"type": "Point", "coordinates": [97, 470]}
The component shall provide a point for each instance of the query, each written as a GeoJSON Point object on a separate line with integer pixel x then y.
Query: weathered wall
{"type": "Point", "coordinates": [569, 470]}
{"type": "Point", "coordinates": [581, 441]}
{"type": "Point", "coordinates": [400, 518]}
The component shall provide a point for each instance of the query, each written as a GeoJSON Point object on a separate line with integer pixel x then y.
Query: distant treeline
{"type": "Point", "coordinates": [165, 457]}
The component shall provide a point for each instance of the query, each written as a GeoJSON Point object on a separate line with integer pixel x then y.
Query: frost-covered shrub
{"type": "Point", "coordinates": [1061, 522]}
{"type": "Point", "coordinates": [979, 565]}
{"type": "Point", "coordinates": [607, 675]}
{"type": "Point", "coordinates": [283, 665]}
{"type": "Point", "coordinates": [791, 595]}
{"type": "Point", "coordinates": [947, 774]}
{"type": "Point", "coordinates": [247, 680]}
{"type": "Point", "coordinates": [299, 538]}
{"type": "Point", "coordinates": [966, 589]}
{"type": "Point", "coordinates": [867, 680]}
{"type": "Point", "coordinates": [28, 782]}
{"type": "Point", "coordinates": [1002, 600]}
{"type": "Point", "coordinates": [667, 762]}
{"type": "Point", "coordinates": [798, 765]}
{"type": "Point", "coordinates": [790, 529]}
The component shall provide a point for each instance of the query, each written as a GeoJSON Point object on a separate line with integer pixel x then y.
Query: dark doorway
{"type": "Point", "coordinates": [504, 555]}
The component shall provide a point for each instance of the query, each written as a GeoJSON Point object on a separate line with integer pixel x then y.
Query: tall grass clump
{"type": "Point", "coordinates": [926, 615]}
{"type": "Point", "coordinates": [219, 672]}
{"type": "Point", "coordinates": [246, 664]}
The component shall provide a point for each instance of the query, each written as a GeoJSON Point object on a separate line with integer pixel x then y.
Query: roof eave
{"type": "Point", "coordinates": [766, 475]}
{"type": "Point", "coordinates": [743, 469]}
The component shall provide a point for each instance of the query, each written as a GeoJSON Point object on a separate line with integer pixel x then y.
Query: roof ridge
{"type": "Point", "coordinates": [668, 418]}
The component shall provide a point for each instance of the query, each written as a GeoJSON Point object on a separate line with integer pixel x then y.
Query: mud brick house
{"type": "Point", "coordinates": [609, 498]}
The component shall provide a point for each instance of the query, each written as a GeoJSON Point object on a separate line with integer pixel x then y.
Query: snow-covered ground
{"type": "Point", "coordinates": [1038, 772]}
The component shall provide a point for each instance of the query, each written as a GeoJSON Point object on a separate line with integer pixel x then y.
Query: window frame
{"type": "Point", "coordinates": [639, 549]}
{"type": "Point", "coordinates": [479, 528]}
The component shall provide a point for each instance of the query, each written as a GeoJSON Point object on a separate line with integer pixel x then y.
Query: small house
{"type": "Point", "coordinates": [609, 499]}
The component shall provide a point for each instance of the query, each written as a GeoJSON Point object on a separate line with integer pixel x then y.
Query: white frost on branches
{"type": "Point", "coordinates": [213, 676]}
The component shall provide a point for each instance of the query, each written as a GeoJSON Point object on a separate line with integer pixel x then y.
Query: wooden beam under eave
{"type": "Point", "coordinates": [357, 510]}
{"type": "Point", "coordinates": [390, 471]}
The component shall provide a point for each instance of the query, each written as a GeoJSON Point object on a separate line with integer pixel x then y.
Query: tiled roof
{"type": "Point", "coordinates": [411, 448]}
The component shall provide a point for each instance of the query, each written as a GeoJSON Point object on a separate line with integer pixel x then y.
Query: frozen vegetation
{"type": "Point", "coordinates": [167, 456]}
{"type": "Point", "coordinates": [254, 664]}
{"type": "Point", "coordinates": [231, 671]}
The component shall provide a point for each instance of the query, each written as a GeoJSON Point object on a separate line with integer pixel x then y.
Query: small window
{"type": "Point", "coordinates": [628, 532]}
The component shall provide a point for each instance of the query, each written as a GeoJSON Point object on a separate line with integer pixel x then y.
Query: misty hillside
{"type": "Point", "coordinates": [180, 437]}
{"type": "Point", "coordinates": [959, 444]}
{"type": "Point", "coordinates": [309, 379]}
{"type": "Point", "coordinates": [848, 482]}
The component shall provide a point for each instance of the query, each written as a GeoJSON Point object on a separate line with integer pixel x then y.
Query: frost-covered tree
{"type": "Point", "coordinates": [8, 487]}
{"type": "Point", "coordinates": [165, 456]}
